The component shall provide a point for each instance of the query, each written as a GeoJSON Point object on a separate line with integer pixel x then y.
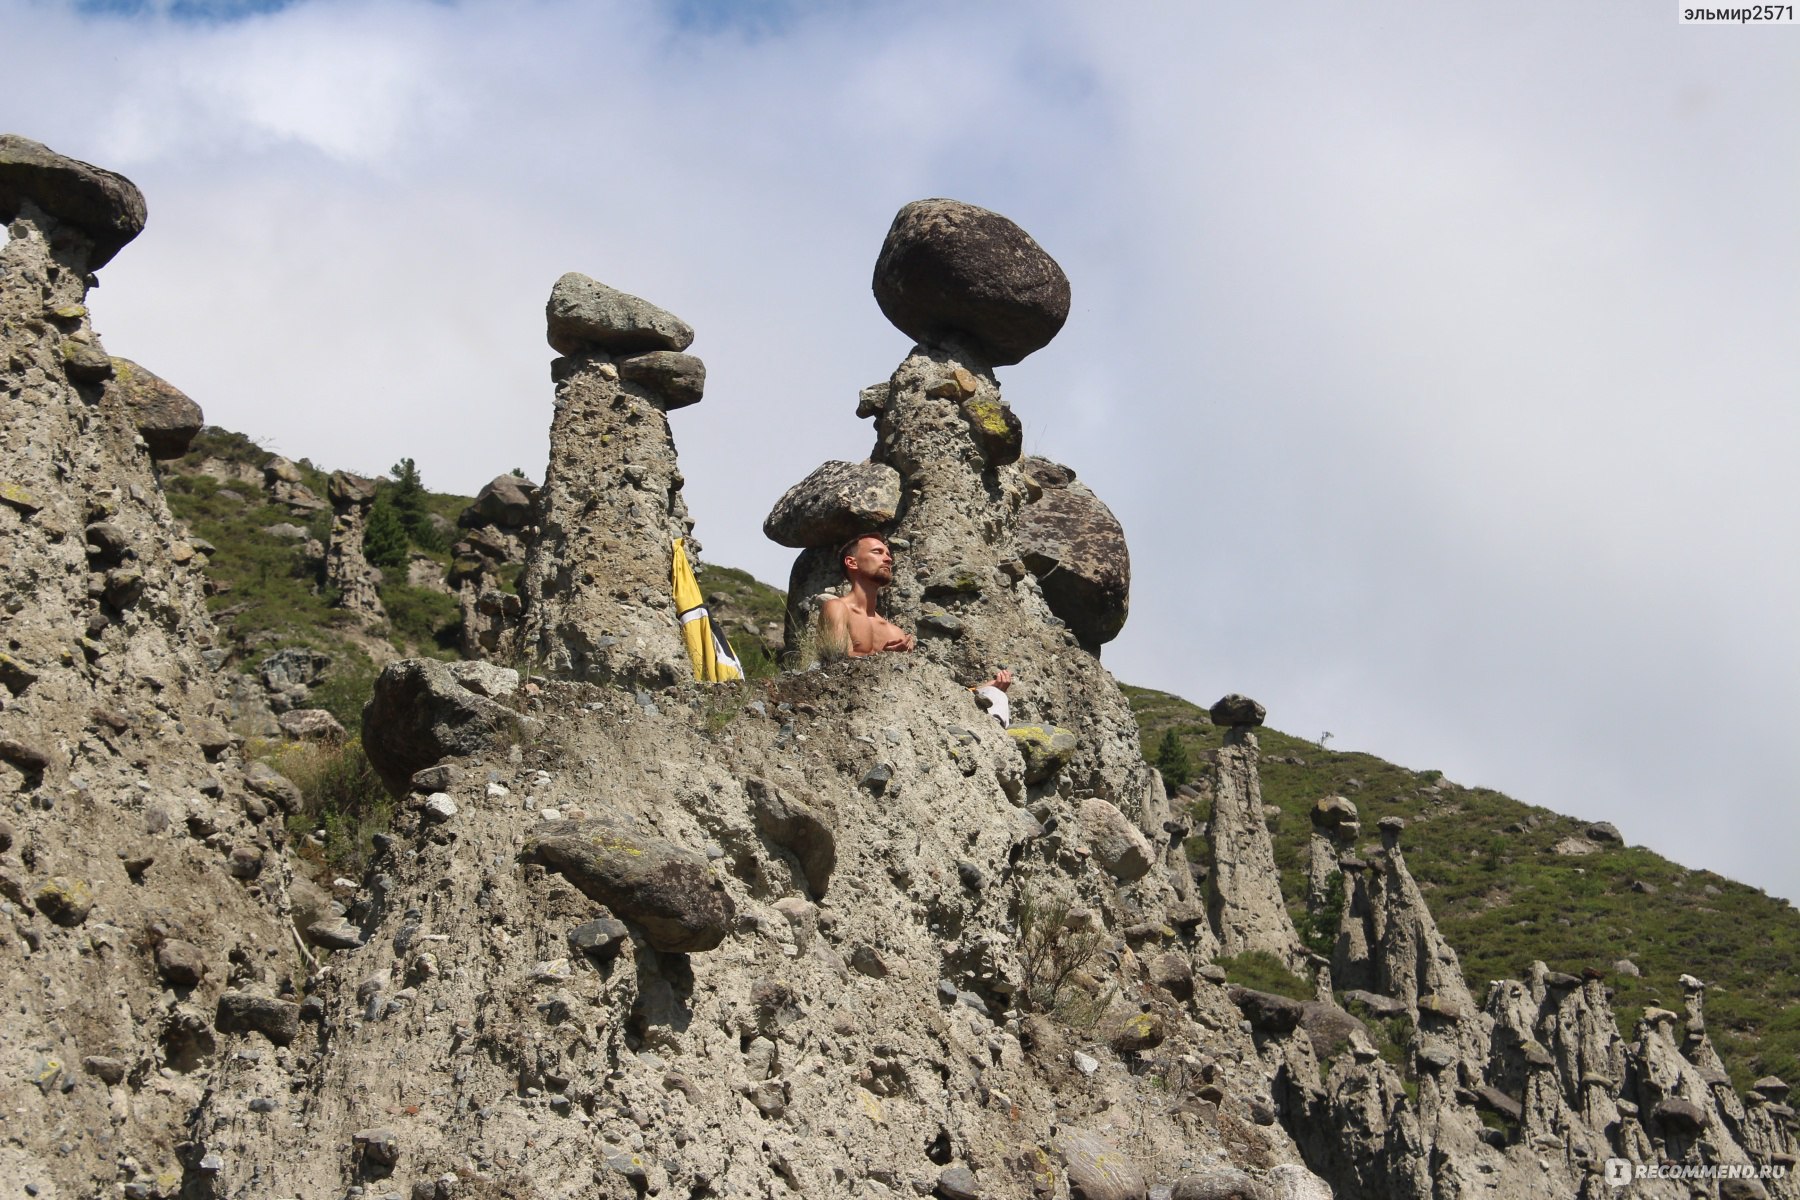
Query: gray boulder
{"type": "Point", "coordinates": [1267, 1011]}
{"type": "Point", "coordinates": [1237, 710]}
{"type": "Point", "coordinates": [1226, 1183]}
{"type": "Point", "coordinates": [103, 205]}
{"type": "Point", "coordinates": [1096, 1169]}
{"type": "Point", "coordinates": [1328, 1027]}
{"type": "Point", "coordinates": [505, 501]}
{"type": "Point", "coordinates": [1076, 548]}
{"type": "Point", "coordinates": [243, 1012]}
{"type": "Point", "coordinates": [678, 380]}
{"type": "Point", "coordinates": [584, 315]}
{"type": "Point", "coordinates": [950, 271]}
{"type": "Point", "coordinates": [1117, 844]}
{"type": "Point", "coordinates": [833, 504]}
{"type": "Point", "coordinates": [165, 418]}
{"type": "Point", "coordinates": [665, 890]}
{"type": "Point", "coordinates": [419, 713]}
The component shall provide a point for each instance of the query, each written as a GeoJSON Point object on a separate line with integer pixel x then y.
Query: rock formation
{"type": "Point", "coordinates": [1244, 904]}
{"type": "Point", "coordinates": [346, 570]}
{"type": "Point", "coordinates": [497, 527]}
{"type": "Point", "coordinates": [833, 934]}
{"type": "Point", "coordinates": [141, 872]}
{"type": "Point", "coordinates": [596, 585]}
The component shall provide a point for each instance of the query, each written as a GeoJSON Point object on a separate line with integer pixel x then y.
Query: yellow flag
{"type": "Point", "coordinates": [711, 654]}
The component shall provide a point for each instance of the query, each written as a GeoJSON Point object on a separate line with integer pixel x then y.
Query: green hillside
{"type": "Point", "coordinates": [1503, 897]}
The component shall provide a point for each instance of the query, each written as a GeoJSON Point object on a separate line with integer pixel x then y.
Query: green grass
{"type": "Point", "coordinates": [1503, 898]}
{"type": "Point", "coordinates": [1263, 972]}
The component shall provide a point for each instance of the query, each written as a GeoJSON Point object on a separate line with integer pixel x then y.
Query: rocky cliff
{"type": "Point", "coordinates": [835, 934]}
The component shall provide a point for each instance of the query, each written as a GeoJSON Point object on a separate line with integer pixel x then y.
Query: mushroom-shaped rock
{"type": "Point", "coordinates": [1047, 749]}
{"type": "Point", "coordinates": [1117, 843]}
{"type": "Point", "coordinates": [1237, 710]}
{"type": "Point", "coordinates": [420, 712]}
{"type": "Point", "coordinates": [677, 380]}
{"type": "Point", "coordinates": [504, 500]}
{"type": "Point", "coordinates": [584, 315]}
{"type": "Point", "coordinates": [347, 489]}
{"type": "Point", "coordinates": [1076, 548]}
{"type": "Point", "coordinates": [950, 271]}
{"type": "Point", "coordinates": [1329, 812]}
{"type": "Point", "coordinates": [1328, 1027]}
{"type": "Point", "coordinates": [1097, 1170]}
{"type": "Point", "coordinates": [165, 418]}
{"type": "Point", "coordinates": [833, 504]}
{"type": "Point", "coordinates": [1675, 1113]}
{"type": "Point", "coordinates": [103, 205]}
{"type": "Point", "coordinates": [1770, 1086]}
{"type": "Point", "coordinates": [665, 890]}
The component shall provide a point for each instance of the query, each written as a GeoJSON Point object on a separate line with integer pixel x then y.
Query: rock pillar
{"type": "Point", "coordinates": [346, 568]}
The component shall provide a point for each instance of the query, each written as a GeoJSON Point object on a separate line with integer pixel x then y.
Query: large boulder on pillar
{"type": "Point", "coordinates": [834, 504]}
{"type": "Point", "coordinates": [164, 416]}
{"type": "Point", "coordinates": [101, 204]}
{"type": "Point", "coordinates": [952, 272]}
{"type": "Point", "coordinates": [1075, 546]}
{"type": "Point", "coordinates": [584, 315]}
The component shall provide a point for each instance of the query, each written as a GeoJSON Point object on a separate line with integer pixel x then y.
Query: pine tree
{"type": "Point", "coordinates": [407, 495]}
{"type": "Point", "coordinates": [384, 537]}
{"type": "Point", "coordinates": [1172, 761]}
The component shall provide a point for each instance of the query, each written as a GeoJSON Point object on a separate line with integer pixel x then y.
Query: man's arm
{"type": "Point", "coordinates": [834, 630]}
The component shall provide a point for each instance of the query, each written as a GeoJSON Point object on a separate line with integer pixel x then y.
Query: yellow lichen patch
{"type": "Point", "coordinates": [70, 312]}
{"type": "Point", "coordinates": [988, 415]}
{"type": "Point", "coordinates": [871, 1106]}
{"type": "Point", "coordinates": [19, 498]}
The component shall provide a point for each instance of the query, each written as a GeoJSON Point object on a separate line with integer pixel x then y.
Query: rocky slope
{"type": "Point", "coordinates": [836, 933]}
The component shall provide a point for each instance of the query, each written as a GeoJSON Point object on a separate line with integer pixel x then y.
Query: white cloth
{"type": "Point", "coordinates": [996, 703]}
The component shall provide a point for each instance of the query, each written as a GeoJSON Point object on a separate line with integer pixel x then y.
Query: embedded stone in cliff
{"type": "Point", "coordinates": [950, 271]}
{"type": "Point", "coordinates": [585, 315]}
{"type": "Point", "coordinates": [1076, 548]}
{"type": "Point", "coordinates": [101, 204]}
{"type": "Point", "coordinates": [1047, 749]}
{"type": "Point", "coordinates": [1237, 710]}
{"type": "Point", "coordinates": [1098, 1170]}
{"type": "Point", "coordinates": [667, 891]}
{"type": "Point", "coordinates": [165, 418]}
{"type": "Point", "coordinates": [1677, 1113]}
{"type": "Point", "coordinates": [1225, 1183]}
{"type": "Point", "coordinates": [1116, 842]}
{"type": "Point", "coordinates": [1268, 1011]}
{"type": "Point", "coordinates": [243, 1012]}
{"type": "Point", "coordinates": [833, 504]}
{"type": "Point", "coordinates": [678, 380]}
{"type": "Point", "coordinates": [419, 713]}
{"type": "Point", "coordinates": [797, 829]}
{"type": "Point", "coordinates": [995, 428]}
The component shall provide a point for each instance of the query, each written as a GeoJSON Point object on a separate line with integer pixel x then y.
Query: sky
{"type": "Point", "coordinates": [1439, 359]}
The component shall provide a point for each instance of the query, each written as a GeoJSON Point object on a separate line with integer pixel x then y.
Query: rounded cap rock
{"type": "Point", "coordinates": [1237, 710]}
{"type": "Point", "coordinates": [165, 417]}
{"type": "Point", "coordinates": [952, 271]}
{"type": "Point", "coordinates": [105, 206]}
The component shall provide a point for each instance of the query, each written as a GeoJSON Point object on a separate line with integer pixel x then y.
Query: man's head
{"type": "Point", "coordinates": [867, 556]}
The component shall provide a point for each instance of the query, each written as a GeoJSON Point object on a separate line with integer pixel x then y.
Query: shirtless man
{"type": "Point", "coordinates": [853, 622]}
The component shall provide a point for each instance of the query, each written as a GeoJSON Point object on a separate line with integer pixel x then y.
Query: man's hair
{"type": "Point", "coordinates": [845, 549]}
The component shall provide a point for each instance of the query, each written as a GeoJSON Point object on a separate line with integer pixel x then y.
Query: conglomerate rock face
{"type": "Point", "coordinates": [142, 876]}
{"type": "Point", "coordinates": [832, 934]}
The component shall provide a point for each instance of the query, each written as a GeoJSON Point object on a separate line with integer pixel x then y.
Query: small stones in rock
{"type": "Point", "coordinates": [1238, 711]}
{"type": "Point", "coordinates": [797, 829]}
{"type": "Point", "coordinates": [65, 900]}
{"type": "Point", "coordinates": [438, 808]}
{"type": "Point", "coordinates": [1087, 1064]}
{"type": "Point", "coordinates": [334, 933]}
{"type": "Point", "coordinates": [877, 778]}
{"type": "Point", "coordinates": [1224, 1183]}
{"type": "Point", "coordinates": [107, 1070]}
{"type": "Point", "coordinates": [868, 961]}
{"type": "Point", "coordinates": [180, 963]}
{"type": "Point", "coordinates": [1096, 1169]}
{"type": "Point", "coordinates": [381, 1146]}
{"type": "Point", "coordinates": [1172, 972]}
{"type": "Point", "coordinates": [957, 1183]}
{"type": "Point", "coordinates": [599, 939]}
{"type": "Point", "coordinates": [263, 1104]}
{"type": "Point", "coordinates": [245, 1012]}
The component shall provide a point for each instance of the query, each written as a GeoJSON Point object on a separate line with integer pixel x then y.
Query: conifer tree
{"type": "Point", "coordinates": [1172, 761]}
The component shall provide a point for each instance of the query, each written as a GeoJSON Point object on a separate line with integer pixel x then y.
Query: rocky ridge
{"type": "Point", "coordinates": [839, 935]}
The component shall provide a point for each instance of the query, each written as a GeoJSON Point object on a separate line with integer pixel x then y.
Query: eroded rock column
{"type": "Point", "coordinates": [596, 584]}
{"type": "Point", "coordinates": [346, 568]}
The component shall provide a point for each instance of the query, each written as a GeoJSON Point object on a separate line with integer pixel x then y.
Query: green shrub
{"type": "Point", "coordinates": [1263, 972]}
{"type": "Point", "coordinates": [340, 794]}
